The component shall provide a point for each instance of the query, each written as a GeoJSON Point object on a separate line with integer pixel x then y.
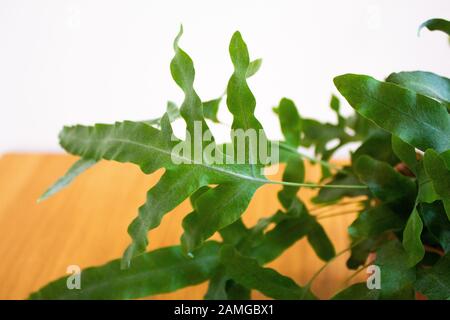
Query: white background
{"type": "Point", "coordinates": [66, 62]}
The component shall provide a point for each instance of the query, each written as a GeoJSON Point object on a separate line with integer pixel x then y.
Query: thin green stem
{"type": "Point", "coordinates": [315, 185]}
{"type": "Point", "coordinates": [336, 204]}
{"type": "Point", "coordinates": [315, 275]}
{"type": "Point", "coordinates": [312, 159]}
{"type": "Point", "coordinates": [358, 271]}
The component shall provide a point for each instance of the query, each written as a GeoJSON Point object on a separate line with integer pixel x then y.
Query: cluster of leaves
{"type": "Point", "coordinates": [401, 170]}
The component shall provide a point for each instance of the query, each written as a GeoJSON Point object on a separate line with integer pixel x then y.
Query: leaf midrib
{"type": "Point", "coordinates": [144, 273]}
{"type": "Point", "coordinates": [150, 147]}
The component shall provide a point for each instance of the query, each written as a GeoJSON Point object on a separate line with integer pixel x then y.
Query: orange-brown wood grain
{"type": "Point", "coordinates": [86, 225]}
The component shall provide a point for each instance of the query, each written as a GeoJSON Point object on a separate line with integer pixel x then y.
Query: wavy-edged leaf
{"type": "Point", "coordinates": [435, 282]}
{"type": "Point", "coordinates": [211, 107]}
{"type": "Point", "coordinates": [247, 272]}
{"type": "Point", "coordinates": [436, 24]}
{"type": "Point", "coordinates": [153, 149]}
{"type": "Point", "coordinates": [416, 119]}
{"type": "Point", "coordinates": [183, 73]}
{"type": "Point", "coordinates": [411, 239]}
{"type": "Point", "coordinates": [222, 205]}
{"type": "Point", "coordinates": [74, 171]}
{"type": "Point", "coordinates": [241, 102]}
{"type": "Point", "coordinates": [159, 271]}
{"type": "Point", "coordinates": [426, 83]}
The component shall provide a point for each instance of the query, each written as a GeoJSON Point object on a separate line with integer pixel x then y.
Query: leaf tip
{"type": "Point", "coordinates": [177, 38]}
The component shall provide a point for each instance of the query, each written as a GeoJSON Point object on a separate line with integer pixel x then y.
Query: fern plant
{"type": "Point", "coordinates": [401, 171]}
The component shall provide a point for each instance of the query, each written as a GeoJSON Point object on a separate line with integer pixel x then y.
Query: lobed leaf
{"type": "Point", "coordinates": [74, 171]}
{"type": "Point", "coordinates": [159, 271]}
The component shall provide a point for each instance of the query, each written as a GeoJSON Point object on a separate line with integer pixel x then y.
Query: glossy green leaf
{"type": "Point", "coordinates": [411, 239]}
{"type": "Point", "coordinates": [250, 274]}
{"type": "Point", "coordinates": [426, 192]}
{"type": "Point", "coordinates": [397, 277]}
{"type": "Point", "coordinates": [436, 24]}
{"type": "Point", "coordinates": [405, 152]}
{"type": "Point", "coordinates": [74, 171]}
{"type": "Point", "coordinates": [383, 181]}
{"type": "Point", "coordinates": [378, 146]}
{"type": "Point", "coordinates": [426, 83]}
{"type": "Point", "coordinates": [375, 221]}
{"type": "Point", "coordinates": [416, 119]}
{"type": "Point", "coordinates": [435, 282]}
{"type": "Point", "coordinates": [159, 271]}
{"type": "Point", "coordinates": [438, 172]}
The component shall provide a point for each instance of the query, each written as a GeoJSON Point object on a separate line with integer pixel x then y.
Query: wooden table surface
{"type": "Point", "coordinates": [86, 224]}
